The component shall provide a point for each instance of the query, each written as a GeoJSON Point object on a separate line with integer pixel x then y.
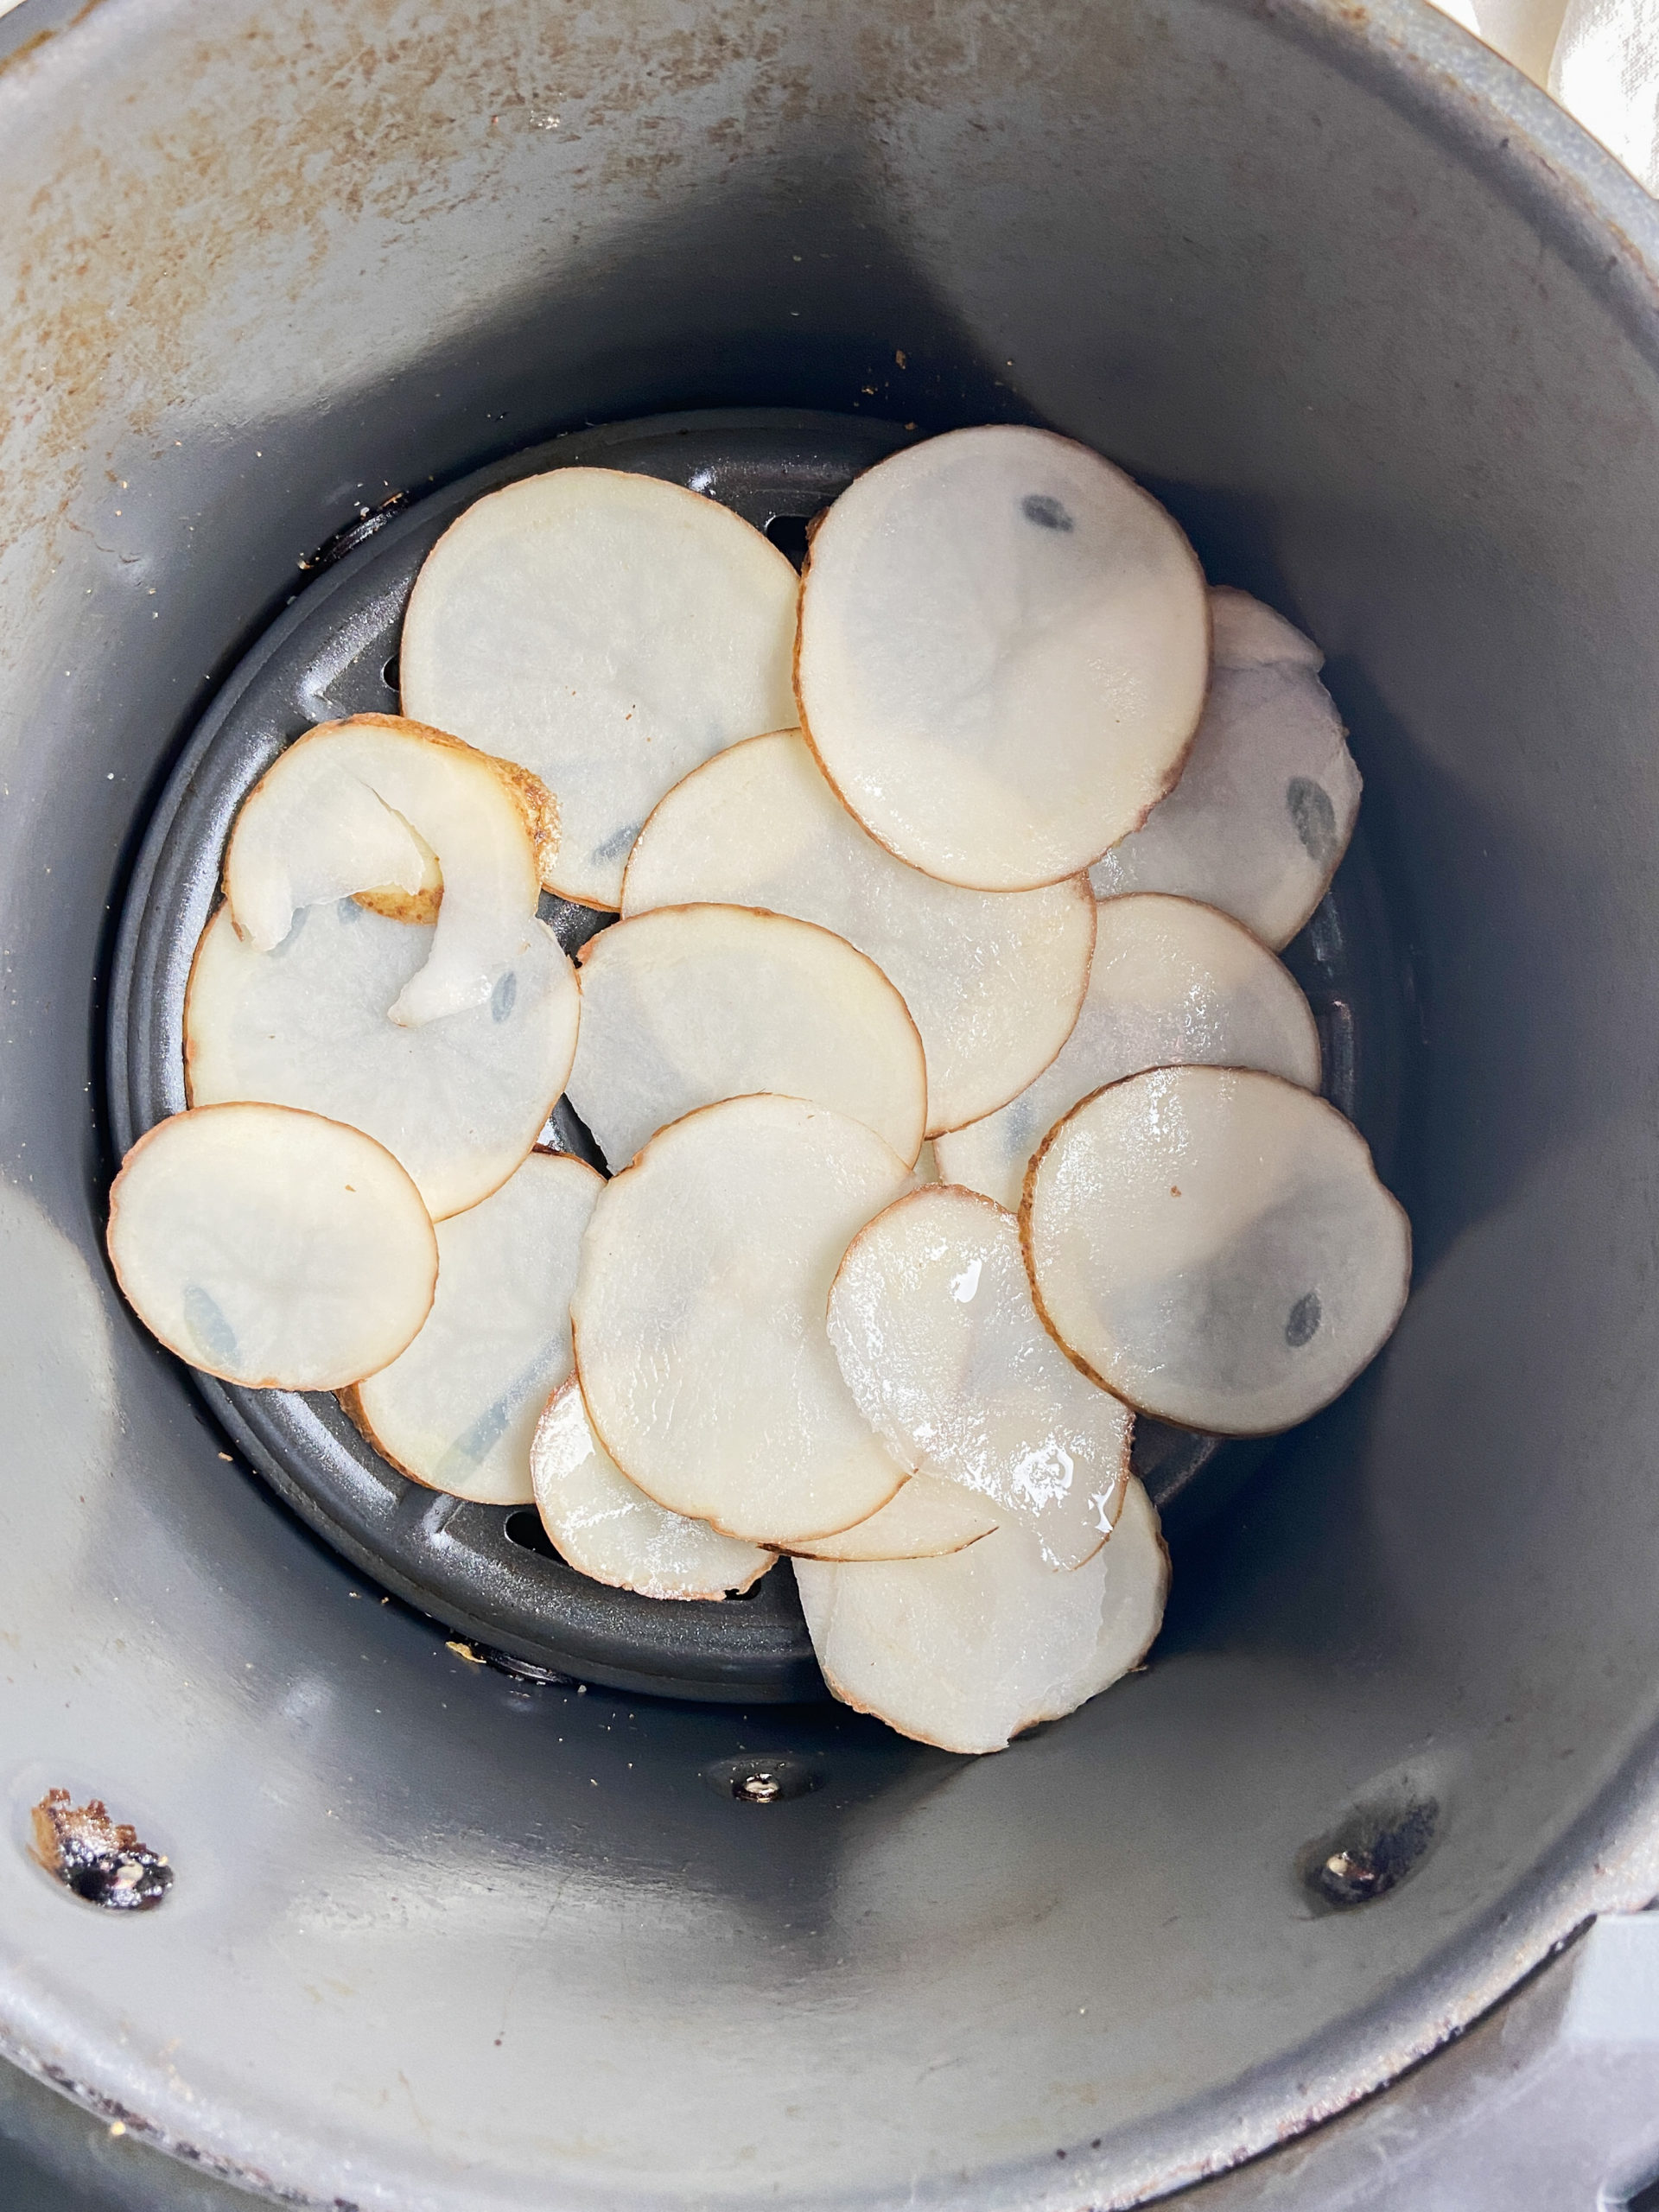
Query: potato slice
{"type": "Point", "coordinates": [931, 1318]}
{"type": "Point", "coordinates": [460, 1101]}
{"type": "Point", "coordinates": [1216, 1247]}
{"type": "Point", "coordinates": [1173, 984]}
{"type": "Point", "coordinates": [370, 805]}
{"type": "Point", "coordinates": [270, 1248]}
{"type": "Point", "coordinates": [994, 981]}
{"type": "Point", "coordinates": [458, 1409]}
{"type": "Point", "coordinates": [699, 1320]}
{"type": "Point", "coordinates": [928, 1518]}
{"type": "Point", "coordinates": [1268, 797]}
{"type": "Point", "coordinates": [607, 1530]}
{"type": "Point", "coordinates": [1004, 646]}
{"type": "Point", "coordinates": [610, 631]}
{"type": "Point", "coordinates": [692, 1004]}
{"type": "Point", "coordinates": [965, 1651]}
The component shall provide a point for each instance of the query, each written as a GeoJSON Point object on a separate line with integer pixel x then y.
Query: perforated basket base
{"type": "Point", "coordinates": [486, 1571]}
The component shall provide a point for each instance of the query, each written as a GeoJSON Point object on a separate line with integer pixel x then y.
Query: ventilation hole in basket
{"type": "Point", "coordinates": [524, 1528]}
{"type": "Point", "coordinates": [788, 534]}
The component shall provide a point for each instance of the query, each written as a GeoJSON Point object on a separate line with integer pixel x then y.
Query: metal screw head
{"type": "Point", "coordinates": [758, 1789]}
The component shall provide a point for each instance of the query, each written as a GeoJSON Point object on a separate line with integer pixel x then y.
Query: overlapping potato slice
{"type": "Point", "coordinates": [377, 805]}
{"type": "Point", "coordinates": [931, 1318]}
{"type": "Point", "coordinates": [928, 1518]}
{"type": "Point", "coordinates": [966, 1651]}
{"type": "Point", "coordinates": [994, 981]}
{"type": "Point", "coordinates": [1268, 797]}
{"type": "Point", "coordinates": [699, 1319]}
{"type": "Point", "coordinates": [609, 630]}
{"type": "Point", "coordinates": [606, 1529]}
{"type": "Point", "coordinates": [1004, 645]}
{"type": "Point", "coordinates": [272, 1248]}
{"type": "Point", "coordinates": [459, 1100]}
{"type": "Point", "coordinates": [690, 1004]}
{"type": "Point", "coordinates": [458, 1409]}
{"type": "Point", "coordinates": [1216, 1247]}
{"type": "Point", "coordinates": [1172, 984]}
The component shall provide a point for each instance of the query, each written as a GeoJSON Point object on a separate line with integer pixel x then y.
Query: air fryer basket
{"type": "Point", "coordinates": [1381, 328]}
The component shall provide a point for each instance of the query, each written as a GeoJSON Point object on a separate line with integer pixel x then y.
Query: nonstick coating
{"type": "Point", "coordinates": [1383, 329]}
{"type": "Point", "coordinates": [483, 1570]}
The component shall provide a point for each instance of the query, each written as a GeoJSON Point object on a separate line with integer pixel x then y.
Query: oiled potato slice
{"type": "Point", "coordinates": [1004, 646]}
{"type": "Point", "coordinates": [928, 1518]}
{"type": "Point", "coordinates": [272, 1248]}
{"type": "Point", "coordinates": [1216, 1247]}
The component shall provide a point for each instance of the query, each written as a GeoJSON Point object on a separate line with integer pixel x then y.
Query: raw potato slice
{"type": "Point", "coordinates": [460, 1101]}
{"type": "Point", "coordinates": [1173, 984]}
{"type": "Point", "coordinates": [1268, 799]}
{"type": "Point", "coordinates": [966, 1651]}
{"type": "Point", "coordinates": [1216, 1247]}
{"type": "Point", "coordinates": [605, 1527]}
{"type": "Point", "coordinates": [929, 1518]}
{"type": "Point", "coordinates": [458, 1409]}
{"type": "Point", "coordinates": [994, 982]}
{"type": "Point", "coordinates": [610, 631]}
{"type": "Point", "coordinates": [369, 804]}
{"type": "Point", "coordinates": [699, 1320]}
{"type": "Point", "coordinates": [932, 1322]}
{"type": "Point", "coordinates": [272, 1249]}
{"type": "Point", "coordinates": [692, 1004]}
{"type": "Point", "coordinates": [1004, 645]}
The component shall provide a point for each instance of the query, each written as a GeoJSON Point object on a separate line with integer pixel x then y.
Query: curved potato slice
{"type": "Point", "coordinates": [931, 1318]}
{"type": "Point", "coordinates": [966, 1651]}
{"type": "Point", "coordinates": [605, 1527]}
{"type": "Point", "coordinates": [1216, 1247]}
{"type": "Point", "coordinates": [994, 982]}
{"type": "Point", "coordinates": [270, 1248]}
{"type": "Point", "coordinates": [928, 1518]}
{"type": "Point", "coordinates": [699, 1320]}
{"type": "Point", "coordinates": [609, 630]}
{"type": "Point", "coordinates": [372, 804]}
{"type": "Point", "coordinates": [458, 1409]}
{"type": "Point", "coordinates": [1268, 797]}
{"type": "Point", "coordinates": [1004, 645]}
{"type": "Point", "coordinates": [460, 1101]}
{"type": "Point", "coordinates": [1173, 984]}
{"type": "Point", "coordinates": [692, 1004]}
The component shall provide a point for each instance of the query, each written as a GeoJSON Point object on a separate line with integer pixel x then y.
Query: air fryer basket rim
{"type": "Point", "coordinates": [1599, 224]}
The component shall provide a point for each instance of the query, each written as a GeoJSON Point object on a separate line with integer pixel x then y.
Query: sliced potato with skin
{"type": "Point", "coordinates": [1268, 797]}
{"type": "Point", "coordinates": [928, 1518]}
{"type": "Point", "coordinates": [1172, 984]}
{"type": "Point", "coordinates": [374, 805]}
{"type": "Point", "coordinates": [1215, 1245]}
{"type": "Point", "coordinates": [1003, 650]}
{"type": "Point", "coordinates": [459, 1100]}
{"type": "Point", "coordinates": [688, 1005]}
{"type": "Point", "coordinates": [994, 982]}
{"type": "Point", "coordinates": [272, 1249]}
{"type": "Point", "coordinates": [932, 1322]}
{"type": "Point", "coordinates": [968, 1651]}
{"type": "Point", "coordinates": [458, 1409]}
{"type": "Point", "coordinates": [610, 631]}
{"type": "Point", "coordinates": [698, 1316]}
{"type": "Point", "coordinates": [609, 1530]}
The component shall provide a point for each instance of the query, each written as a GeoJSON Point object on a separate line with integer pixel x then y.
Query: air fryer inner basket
{"type": "Point", "coordinates": [1379, 328]}
{"type": "Point", "coordinates": [488, 1571]}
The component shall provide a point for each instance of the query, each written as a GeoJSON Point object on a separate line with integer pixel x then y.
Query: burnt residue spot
{"type": "Point", "coordinates": [368, 520]}
{"type": "Point", "coordinates": [1313, 818]}
{"type": "Point", "coordinates": [1369, 1853]}
{"type": "Point", "coordinates": [1302, 1325]}
{"type": "Point", "coordinates": [1047, 514]}
{"type": "Point", "coordinates": [96, 1858]}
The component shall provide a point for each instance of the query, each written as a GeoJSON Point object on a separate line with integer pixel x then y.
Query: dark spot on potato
{"type": "Point", "coordinates": [1047, 514]}
{"type": "Point", "coordinates": [1313, 818]}
{"type": "Point", "coordinates": [1303, 1323]}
